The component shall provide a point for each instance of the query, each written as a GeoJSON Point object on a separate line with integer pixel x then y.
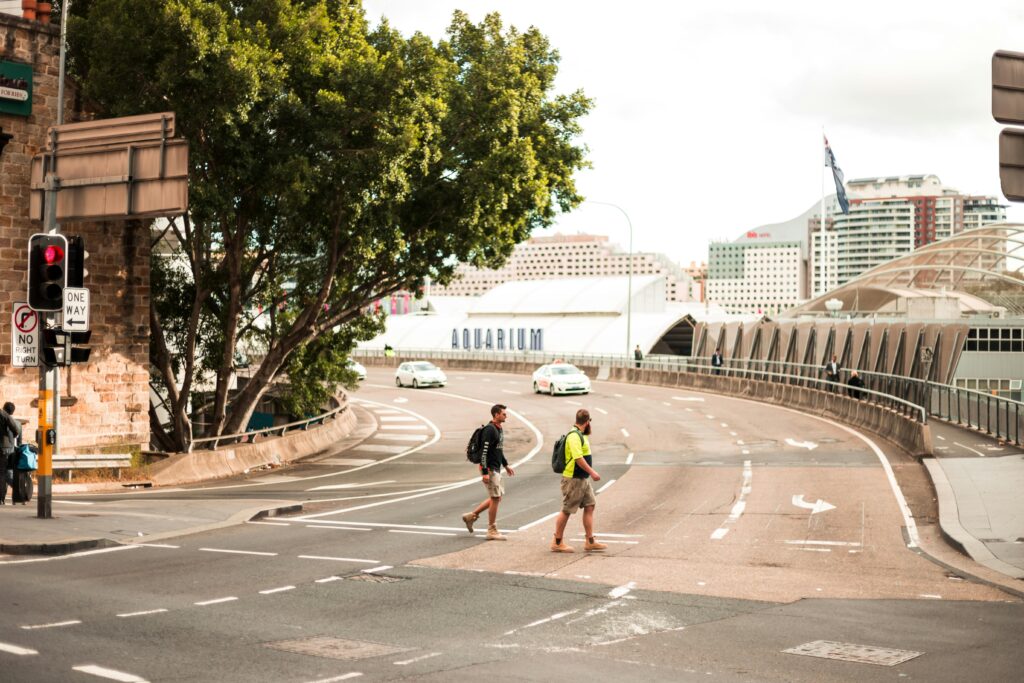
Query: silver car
{"type": "Point", "coordinates": [419, 373]}
{"type": "Point", "coordinates": [560, 378]}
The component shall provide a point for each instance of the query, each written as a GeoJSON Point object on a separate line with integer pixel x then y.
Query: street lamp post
{"type": "Point", "coordinates": [629, 275]}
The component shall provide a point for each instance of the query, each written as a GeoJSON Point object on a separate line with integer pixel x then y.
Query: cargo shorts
{"type": "Point", "coordinates": [495, 489]}
{"type": "Point", "coordinates": [576, 494]}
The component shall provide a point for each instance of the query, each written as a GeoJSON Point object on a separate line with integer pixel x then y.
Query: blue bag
{"type": "Point", "coordinates": [27, 458]}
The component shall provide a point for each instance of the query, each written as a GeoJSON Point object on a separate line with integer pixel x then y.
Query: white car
{"type": "Point", "coordinates": [357, 368]}
{"type": "Point", "coordinates": [560, 378]}
{"type": "Point", "coordinates": [419, 373]}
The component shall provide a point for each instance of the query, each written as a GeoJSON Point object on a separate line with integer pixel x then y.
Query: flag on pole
{"type": "Point", "coordinates": [837, 175]}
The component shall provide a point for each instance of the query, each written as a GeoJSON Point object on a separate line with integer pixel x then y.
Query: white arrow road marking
{"type": "Point", "coordinates": [815, 508]}
{"type": "Point", "coordinates": [809, 445]}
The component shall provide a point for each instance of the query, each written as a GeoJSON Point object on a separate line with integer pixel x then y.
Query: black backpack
{"type": "Point", "coordinates": [558, 462]}
{"type": "Point", "coordinates": [475, 447]}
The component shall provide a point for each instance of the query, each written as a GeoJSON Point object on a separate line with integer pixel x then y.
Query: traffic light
{"type": "Point", "coordinates": [47, 271]}
{"type": "Point", "coordinates": [76, 261]}
{"type": "Point", "coordinates": [64, 348]}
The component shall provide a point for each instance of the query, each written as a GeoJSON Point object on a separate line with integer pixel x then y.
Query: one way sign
{"type": "Point", "coordinates": [76, 309]}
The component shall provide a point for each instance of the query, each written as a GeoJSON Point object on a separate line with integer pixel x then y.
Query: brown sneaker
{"type": "Point", "coordinates": [561, 547]}
{"type": "Point", "coordinates": [494, 535]}
{"type": "Point", "coordinates": [594, 546]}
{"type": "Point", "coordinates": [468, 520]}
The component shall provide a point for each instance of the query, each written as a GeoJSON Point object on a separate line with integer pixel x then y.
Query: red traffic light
{"type": "Point", "coordinates": [53, 254]}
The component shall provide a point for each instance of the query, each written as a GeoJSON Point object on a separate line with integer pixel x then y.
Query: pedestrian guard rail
{"type": "Point", "coordinates": [213, 442]}
{"type": "Point", "coordinates": [888, 408]}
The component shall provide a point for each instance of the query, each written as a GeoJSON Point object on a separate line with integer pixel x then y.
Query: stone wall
{"type": "Point", "coordinates": [104, 402]}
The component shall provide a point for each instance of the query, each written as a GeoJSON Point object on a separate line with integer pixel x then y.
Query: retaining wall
{"type": "Point", "coordinates": [913, 437]}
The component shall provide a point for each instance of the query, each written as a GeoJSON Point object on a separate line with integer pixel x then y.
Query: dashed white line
{"type": "Point", "coordinates": [414, 427]}
{"type": "Point", "coordinates": [143, 613]}
{"type": "Point", "coordinates": [328, 579]}
{"type": "Point", "coordinates": [725, 425]}
{"type": "Point", "coordinates": [215, 601]}
{"type": "Point", "coordinates": [509, 391]}
{"type": "Point", "coordinates": [624, 432]}
{"type": "Point", "coordinates": [343, 677]}
{"type": "Point", "coordinates": [17, 650]}
{"type": "Point", "coordinates": [573, 403]}
{"type": "Point", "coordinates": [282, 589]}
{"type": "Point", "coordinates": [56, 624]}
{"type": "Point", "coordinates": [336, 527]}
{"type": "Point", "coordinates": [238, 552]}
{"type": "Point", "coordinates": [423, 533]}
{"type": "Point", "coordinates": [601, 410]}
{"type": "Point", "coordinates": [398, 418]}
{"type": "Point", "coordinates": [336, 487]}
{"type": "Point", "coordinates": [271, 523]}
{"type": "Point", "coordinates": [382, 568]}
{"type": "Point", "coordinates": [629, 459]}
{"type": "Point", "coordinates": [338, 559]}
{"type": "Point", "coordinates": [622, 590]}
{"type": "Point", "coordinates": [400, 437]}
{"type": "Point", "coordinates": [553, 617]}
{"type": "Point", "coordinates": [161, 545]}
{"type": "Point", "coordinates": [740, 505]}
{"type": "Point", "coordinates": [111, 674]}
{"type": "Point", "coordinates": [940, 437]}
{"type": "Point", "coordinates": [417, 659]}
{"type": "Point", "coordinates": [733, 434]}
{"type": "Point", "coordinates": [843, 543]}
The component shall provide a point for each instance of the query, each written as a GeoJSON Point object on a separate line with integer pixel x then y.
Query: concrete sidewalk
{"type": "Point", "coordinates": [81, 525]}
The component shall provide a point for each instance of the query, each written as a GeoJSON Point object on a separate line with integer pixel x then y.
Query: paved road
{"type": "Point", "coordinates": [721, 558]}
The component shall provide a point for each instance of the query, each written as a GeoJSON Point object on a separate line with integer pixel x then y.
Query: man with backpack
{"type": "Point", "coordinates": [10, 431]}
{"type": "Point", "coordinates": [492, 459]}
{"type": "Point", "coordinates": [577, 491]}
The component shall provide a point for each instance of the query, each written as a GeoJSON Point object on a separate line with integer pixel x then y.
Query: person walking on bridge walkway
{"type": "Point", "coordinates": [577, 491]}
{"type": "Point", "coordinates": [491, 461]}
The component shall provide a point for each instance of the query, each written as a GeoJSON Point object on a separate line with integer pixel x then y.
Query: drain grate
{"type": "Point", "coordinates": [336, 648]}
{"type": "Point", "coordinates": [374, 578]}
{"type": "Point", "coordinates": [850, 652]}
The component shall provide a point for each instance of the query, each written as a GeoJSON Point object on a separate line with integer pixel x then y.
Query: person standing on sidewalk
{"type": "Point", "coordinates": [491, 461]}
{"type": "Point", "coordinates": [716, 362]}
{"type": "Point", "coordinates": [10, 431]}
{"type": "Point", "coordinates": [577, 491]}
{"type": "Point", "coordinates": [638, 355]}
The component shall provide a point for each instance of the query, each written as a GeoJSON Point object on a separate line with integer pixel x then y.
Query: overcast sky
{"type": "Point", "coordinates": [708, 116]}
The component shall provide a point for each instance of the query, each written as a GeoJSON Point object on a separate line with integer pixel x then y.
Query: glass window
{"type": "Point", "coordinates": [983, 333]}
{"type": "Point", "coordinates": [1004, 346]}
{"type": "Point", "coordinates": [1004, 333]}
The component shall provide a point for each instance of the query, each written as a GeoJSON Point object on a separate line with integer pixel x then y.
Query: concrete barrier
{"type": "Point", "coordinates": [910, 435]}
{"type": "Point", "coordinates": [227, 461]}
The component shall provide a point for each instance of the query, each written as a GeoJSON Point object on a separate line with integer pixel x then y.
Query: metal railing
{"type": "Point", "coordinates": [278, 430]}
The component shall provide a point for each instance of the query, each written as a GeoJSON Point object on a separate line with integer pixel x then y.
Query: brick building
{"type": "Point", "coordinates": [105, 402]}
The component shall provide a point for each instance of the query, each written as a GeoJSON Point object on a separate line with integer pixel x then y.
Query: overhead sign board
{"type": "Point", "coordinates": [1011, 163]}
{"type": "Point", "coordinates": [76, 309]}
{"type": "Point", "coordinates": [24, 336]}
{"type": "Point", "coordinates": [1008, 87]}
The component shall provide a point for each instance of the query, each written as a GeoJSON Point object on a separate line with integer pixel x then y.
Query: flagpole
{"type": "Point", "coordinates": [821, 289]}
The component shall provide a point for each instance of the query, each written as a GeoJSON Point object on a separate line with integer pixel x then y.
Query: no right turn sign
{"type": "Point", "coordinates": [24, 336]}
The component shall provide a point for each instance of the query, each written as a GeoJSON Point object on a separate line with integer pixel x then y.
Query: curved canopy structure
{"type": "Point", "coordinates": [975, 272]}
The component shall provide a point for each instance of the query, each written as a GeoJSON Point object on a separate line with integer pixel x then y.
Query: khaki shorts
{"type": "Point", "coordinates": [576, 494]}
{"type": "Point", "coordinates": [495, 489]}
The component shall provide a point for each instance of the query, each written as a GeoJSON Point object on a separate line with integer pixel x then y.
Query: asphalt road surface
{"type": "Point", "coordinates": [746, 543]}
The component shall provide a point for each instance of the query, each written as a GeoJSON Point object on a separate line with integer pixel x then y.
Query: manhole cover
{"type": "Point", "coordinates": [374, 578]}
{"type": "Point", "coordinates": [336, 648]}
{"type": "Point", "coordinates": [851, 652]}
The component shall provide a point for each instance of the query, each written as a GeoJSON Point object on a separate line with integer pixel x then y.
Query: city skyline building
{"type": "Point", "coordinates": [579, 255]}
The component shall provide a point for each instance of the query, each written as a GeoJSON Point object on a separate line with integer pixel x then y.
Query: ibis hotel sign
{"type": "Point", "coordinates": [15, 88]}
{"type": "Point", "coordinates": [498, 339]}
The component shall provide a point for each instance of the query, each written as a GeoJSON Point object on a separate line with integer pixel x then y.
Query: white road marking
{"type": "Point", "coordinates": [282, 589]}
{"type": "Point", "coordinates": [815, 508]}
{"type": "Point", "coordinates": [331, 487]}
{"type": "Point", "coordinates": [143, 613]}
{"type": "Point", "coordinates": [387, 411]}
{"type": "Point", "coordinates": [417, 659]}
{"type": "Point", "coordinates": [338, 559]}
{"type": "Point", "coordinates": [401, 399]}
{"type": "Point", "coordinates": [382, 568]}
{"type": "Point", "coordinates": [382, 525]}
{"type": "Point", "coordinates": [343, 677]}
{"type": "Point", "coordinates": [111, 674]}
{"type": "Point", "coordinates": [711, 417]}
{"type": "Point", "coordinates": [601, 538]}
{"type": "Point", "coordinates": [813, 550]}
{"type": "Point", "coordinates": [509, 391]}
{"type": "Point", "coordinates": [745, 452]}
{"type": "Point", "coordinates": [617, 395]}
{"type": "Point", "coordinates": [164, 545]}
{"type": "Point", "coordinates": [270, 523]}
{"type": "Point", "coordinates": [215, 601]}
{"type": "Point", "coordinates": [687, 398]}
{"type": "Point", "coordinates": [398, 418]}
{"type": "Point", "coordinates": [515, 573]}
{"type": "Point", "coordinates": [739, 442]}
{"type": "Point", "coordinates": [377, 448]}
{"type": "Point", "coordinates": [573, 403]}
{"type": "Point", "coordinates": [725, 425]}
{"type": "Point", "coordinates": [84, 553]}
{"type": "Point", "coordinates": [400, 437]}
{"type": "Point", "coordinates": [931, 596]}
{"type": "Point", "coordinates": [553, 617]}
{"type": "Point", "coordinates": [238, 552]}
{"type": "Point", "coordinates": [619, 591]}
{"type": "Point", "coordinates": [601, 410]}
{"type": "Point", "coordinates": [741, 503]}
{"type": "Point", "coordinates": [424, 533]}
{"type": "Point", "coordinates": [328, 579]}
{"type": "Point", "coordinates": [16, 650]}
{"type": "Point", "coordinates": [853, 543]}
{"type": "Point", "coordinates": [538, 521]}
{"type": "Point", "coordinates": [56, 624]}
{"type": "Point", "coordinates": [336, 528]}
{"type": "Point", "coordinates": [809, 445]}
{"type": "Point", "coordinates": [976, 452]}
{"type": "Point", "coordinates": [417, 427]}
{"type": "Point", "coordinates": [640, 398]}
{"type": "Point", "coordinates": [610, 482]}
{"type": "Point", "coordinates": [733, 434]}
{"type": "Point", "coordinates": [350, 462]}
{"type": "Point", "coordinates": [73, 502]}
{"type": "Point", "coordinates": [624, 432]}
{"type": "Point", "coordinates": [940, 438]}
{"type": "Point", "coordinates": [629, 459]}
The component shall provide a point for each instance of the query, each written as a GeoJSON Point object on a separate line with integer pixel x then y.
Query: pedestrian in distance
{"type": "Point", "coordinates": [832, 370]}
{"type": "Point", "coordinates": [638, 355]}
{"type": "Point", "coordinates": [10, 439]}
{"type": "Point", "coordinates": [577, 491]}
{"type": "Point", "coordinates": [491, 461]}
{"type": "Point", "coordinates": [717, 362]}
{"type": "Point", "coordinates": [854, 385]}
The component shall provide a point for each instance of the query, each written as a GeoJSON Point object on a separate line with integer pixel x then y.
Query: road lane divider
{"type": "Point", "coordinates": [110, 674]}
{"type": "Point", "coordinates": [238, 552]}
{"type": "Point", "coordinates": [17, 650]}
{"type": "Point", "coordinates": [328, 558]}
{"type": "Point", "coordinates": [56, 624]}
{"type": "Point", "coordinates": [215, 601]}
{"type": "Point", "coordinates": [740, 505]}
{"type": "Point", "coordinates": [143, 613]}
{"type": "Point", "coordinates": [282, 589]}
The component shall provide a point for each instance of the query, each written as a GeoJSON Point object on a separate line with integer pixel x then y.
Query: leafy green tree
{"type": "Point", "coordinates": [332, 163]}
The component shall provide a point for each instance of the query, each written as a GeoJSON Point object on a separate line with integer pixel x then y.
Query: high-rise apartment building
{"type": "Point", "coordinates": [561, 256]}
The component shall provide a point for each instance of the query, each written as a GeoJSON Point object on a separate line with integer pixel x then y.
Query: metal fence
{"type": "Point", "coordinates": [277, 430]}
